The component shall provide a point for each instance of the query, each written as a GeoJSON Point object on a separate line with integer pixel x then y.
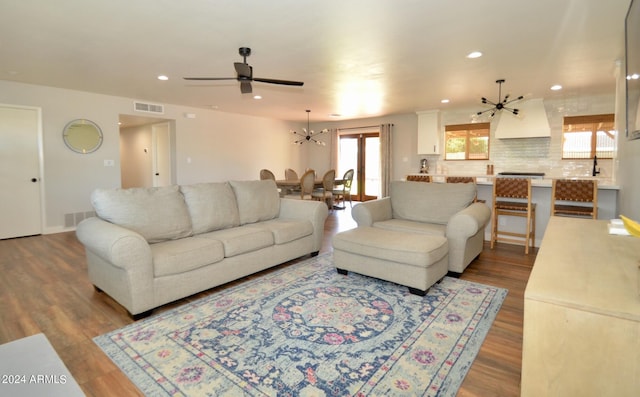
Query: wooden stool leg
{"type": "Point", "coordinates": [494, 225]}
{"type": "Point", "coordinates": [527, 239]}
{"type": "Point", "coordinates": [533, 226]}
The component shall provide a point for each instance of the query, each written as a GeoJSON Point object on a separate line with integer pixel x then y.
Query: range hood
{"type": "Point", "coordinates": [531, 121]}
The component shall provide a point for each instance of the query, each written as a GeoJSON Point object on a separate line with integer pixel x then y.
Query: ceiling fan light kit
{"type": "Point", "coordinates": [244, 74]}
{"type": "Point", "coordinates": [500, 104]}
{"type": "Point", "coordinates": [308, 135]}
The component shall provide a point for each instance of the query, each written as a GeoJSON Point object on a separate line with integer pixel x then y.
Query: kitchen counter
{"type": "Point", "coordinates": [546, 181]}
{"type": "Point", "coordinates": [541, 191]}
{"type": "Point", "coordinates": [582, 313]}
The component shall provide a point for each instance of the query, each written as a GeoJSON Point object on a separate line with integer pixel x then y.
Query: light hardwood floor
{"type": "Point", "coordinates": [44, 288]}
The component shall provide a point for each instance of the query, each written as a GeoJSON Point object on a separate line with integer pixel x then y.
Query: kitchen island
{"type": "Point", "coordinates": [541, 190]}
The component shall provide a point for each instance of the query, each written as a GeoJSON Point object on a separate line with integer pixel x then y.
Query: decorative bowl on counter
{"type": "Point", "coordinates": [632, 226]}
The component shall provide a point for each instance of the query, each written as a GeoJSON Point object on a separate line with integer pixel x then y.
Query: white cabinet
{"type": "Point", "coordinates": [429, 132]}
{"type": "Point", "coordinates": [581, 333]}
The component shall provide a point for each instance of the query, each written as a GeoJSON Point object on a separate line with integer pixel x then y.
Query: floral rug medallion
{"type": "Point", "coordinates": [305, 330]}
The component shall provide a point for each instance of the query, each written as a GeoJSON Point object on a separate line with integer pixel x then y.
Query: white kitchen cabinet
{"type": "Point", "coordinates": [429, 132]}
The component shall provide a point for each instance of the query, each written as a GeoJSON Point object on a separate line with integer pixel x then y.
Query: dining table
{"type": "Point", "coordinates": [287, 186]}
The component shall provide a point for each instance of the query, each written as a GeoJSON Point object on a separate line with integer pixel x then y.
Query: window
{"type": "Point", "coordinates": [467, 141]}
{"type": "Point", "coordinates": [584, 137]}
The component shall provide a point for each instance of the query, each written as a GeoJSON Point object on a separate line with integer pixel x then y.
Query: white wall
{"type": "Point", "coordinates": [221, 146]}
{"type": "Point", "coordinates": [628, 161]}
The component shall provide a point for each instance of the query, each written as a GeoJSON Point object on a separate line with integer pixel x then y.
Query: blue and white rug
{"type": "Point", "coordinates": [305, 330]}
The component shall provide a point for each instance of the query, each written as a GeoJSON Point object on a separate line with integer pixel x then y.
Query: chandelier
{"type": "Point", "coordinates": [500, 104]}
{"type": "Point", "coordinates": [308, 135]}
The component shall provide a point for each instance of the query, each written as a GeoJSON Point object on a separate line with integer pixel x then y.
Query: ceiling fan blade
{"type": "Point", "coordinates": [210, 78]}
{"type": "Point", "coordinates": [243, 69]}
{"type": "Point", "coordinates": [245, 87]}
{"type": "Point", "coordinates": [275, 81]}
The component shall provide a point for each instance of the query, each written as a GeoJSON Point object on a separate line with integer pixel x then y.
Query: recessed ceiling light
{"type": "Point", "coordinates": [257, 97]}
{"type": "Point", "coordinates": [556, 87]}
{"type": "Point", "coordinates": [474, 54]}
{"type": "Point", "coordinates": [163, 77]}
{"type": "Point", "coordinates": [444, 101]}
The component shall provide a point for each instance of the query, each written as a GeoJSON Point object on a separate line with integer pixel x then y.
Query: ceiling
{"type": "Point", "coordinates": [357, 58]}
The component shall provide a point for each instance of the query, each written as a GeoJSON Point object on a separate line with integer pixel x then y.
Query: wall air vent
{"type": "Point", "coordinates": [148, 107]}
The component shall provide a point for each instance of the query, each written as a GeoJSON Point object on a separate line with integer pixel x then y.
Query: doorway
{"type": "Point", "coordinates": [20, 171]}
{"type": "Point", "coordinates": [146, 151]}
{"type": "Point", "coordinates": [361, 152]}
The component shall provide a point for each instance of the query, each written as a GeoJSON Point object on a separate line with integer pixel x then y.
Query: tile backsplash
{"type": "Point", "coordinates": [524, 155]}
{"type": "Point", "coordinates": [533, 154]}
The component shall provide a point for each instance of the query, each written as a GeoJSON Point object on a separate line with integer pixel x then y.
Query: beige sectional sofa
{"type": "Point", "coordinates": [432, 209]}
{"type": "Point", "coordinates": [151, 246]}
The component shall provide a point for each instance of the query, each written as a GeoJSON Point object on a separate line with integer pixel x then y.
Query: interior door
{"type": "Point", "coordinates": [20, 190]}
{"type": "Point", "coordinates": [161, 150]}
{"type": "Point", "coordinates": [362, 153]}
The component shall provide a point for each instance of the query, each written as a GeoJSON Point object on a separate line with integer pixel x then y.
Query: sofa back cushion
{"type": "Point", "coordinates": [158, 213]}
{"type": "Point", "coordinates": [212, 206]}
{"type": "Point", "coordinates": [430, 202]}
{"type": "Point", "coordinates": [257, 200]}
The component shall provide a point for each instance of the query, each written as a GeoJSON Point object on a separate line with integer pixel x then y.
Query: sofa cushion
{"type": "Point", "coordinates": [287, 230]}
{"type": "Point", "coordinates": [179, 256]}
{"type": "Point", "coordinates": [430, 202]}
{"type": "Point", "coordinates": [404, 225]}
{"type": "Point", "coordinates": [212, 206]}
{"type": "Point", "coordinates": [157, 213]}
{"type": "Point", "coordinates": [242, 239]}
{"type": "Point", "coordinates": [392, 245]}
{"type": "Point", "coordinates": [257, 200]}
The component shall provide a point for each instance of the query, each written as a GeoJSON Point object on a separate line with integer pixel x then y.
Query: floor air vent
{"type": "Point", "coordinates": [148, 107]}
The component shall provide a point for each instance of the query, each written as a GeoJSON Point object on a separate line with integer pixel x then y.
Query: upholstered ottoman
{"type": "Point", "coordinates": [412, 259]}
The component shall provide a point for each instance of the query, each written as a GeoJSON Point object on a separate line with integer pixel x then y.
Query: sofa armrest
{"type": "Point", "coordinates": [467, 222]}
{"type": "Point", "coordinates": [369, 212]}
{"type": "Point", "coordinates": [117, 245]}
{"type": "Point", "coordinates": [314, 211]}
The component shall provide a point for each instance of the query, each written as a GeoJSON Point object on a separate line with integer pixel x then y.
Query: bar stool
{"type": "Point", "coordinates": [575, 190]}
{"type": "Point", "coordinates": [419, 178]}
{"type": "Point", "coordinates": [460, 179]}
{"type": "Point", "coordinates": [464, 179]}
{"type": "Point", "coordinates": [513, 188]}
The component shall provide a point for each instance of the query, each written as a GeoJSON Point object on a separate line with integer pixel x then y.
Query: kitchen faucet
{"type": "Point", "coordinates": [595, 162]}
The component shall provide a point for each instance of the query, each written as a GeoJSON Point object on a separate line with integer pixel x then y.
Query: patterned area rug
{"type": "Point", "coordinates": [305, 330]}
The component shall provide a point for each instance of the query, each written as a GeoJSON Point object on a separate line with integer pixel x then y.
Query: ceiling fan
{"type": "Point", "coordinates": [244, 73]}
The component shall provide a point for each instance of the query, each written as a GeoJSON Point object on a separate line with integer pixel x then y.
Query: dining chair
{"type": "Point", "coordinates": [291, 175]}
{"type": "Point", "coordinates": [266, 174]}
{"type": "Point", "coordinates": [325, 192]}
{"type": "Point", "coordinates": [505, 190]}
{"type": "Point", "coordinates": [307, 182]}
{"type": "Point", "coordinates": [343, 190]}
{"type": "Point", "coordinates": [584, 191]}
